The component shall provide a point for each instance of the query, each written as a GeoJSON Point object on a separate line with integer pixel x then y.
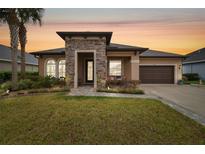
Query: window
{"type": "Point", "coordinates": [115, 68]}
{"type": "Point", "coordinates": [51, 68]}
{"type": "Point", "coordinates": [61, 68]}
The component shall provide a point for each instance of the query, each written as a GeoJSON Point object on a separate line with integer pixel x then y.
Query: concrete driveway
{"type": "Point", "coordinates": [191, 98]}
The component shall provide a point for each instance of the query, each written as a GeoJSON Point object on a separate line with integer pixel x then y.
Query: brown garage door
{"type": "Point", "coordinates": [157, 74]}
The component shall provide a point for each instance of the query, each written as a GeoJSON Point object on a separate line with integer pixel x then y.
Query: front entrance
{"type": "Point", "coordinates": [85, 69]}
{"type": "Point", "coordinates": [89, 71]}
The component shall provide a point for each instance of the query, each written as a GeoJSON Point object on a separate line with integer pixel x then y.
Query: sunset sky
{"type": "Point", "coordinates": [173, 30]}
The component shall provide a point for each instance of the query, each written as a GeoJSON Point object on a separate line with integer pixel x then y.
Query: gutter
{"type": "Point", "coordinates": [191, 62]}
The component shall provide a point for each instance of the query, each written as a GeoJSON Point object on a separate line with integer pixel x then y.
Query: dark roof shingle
{"type": "Point", "coordinates": [155, 53]}
{"type": "Point", "coordinates": [122, 47]}
{"type": "Point", "coordinates": [118, 47]}
{"type": "Point", "coordinates": [110, 47]}
{"type": "Point", "coordinates": [56, 51]}
{"type": "Point", "coordinates": [5, 54]}
{"type": "Point", "coordinates": [196, 56]}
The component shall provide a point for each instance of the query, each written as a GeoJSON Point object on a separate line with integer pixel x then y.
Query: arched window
{"type": "Point", "coordinates": [51, 68]}
{"type": "Point", "coordinates": [61, 68]}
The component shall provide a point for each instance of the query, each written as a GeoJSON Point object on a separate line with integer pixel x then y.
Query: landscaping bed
{"type": "Point", "coordinates": [33, 91]}
{"type": "Point", "coordinates": [192, 79]}
{"type": "Point", "coordinates": [121, 90]}
{"type": "Point", "coordinates": [59, 119]}
{"type": "Point", "coordinates": [121, 86]}
{"type": "Point", "coordinates": [30, 83]}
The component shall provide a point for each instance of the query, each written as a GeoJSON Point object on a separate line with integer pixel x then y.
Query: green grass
{"type": "Point", "coordinates": [122, 90]}
{"type": "Point", "coordinates": [59, 119]}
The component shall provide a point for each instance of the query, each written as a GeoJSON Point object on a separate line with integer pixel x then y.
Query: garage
{"type": "Point", "coordinates": [157, 74]}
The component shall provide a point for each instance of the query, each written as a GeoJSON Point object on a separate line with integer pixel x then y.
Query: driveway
{"type": "Point", "coordinates": [191, 98]}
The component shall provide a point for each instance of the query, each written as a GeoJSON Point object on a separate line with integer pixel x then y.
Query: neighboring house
{"type": "Point", "coordinates": [195, 63]}
{"type": "Point", "coordinates": [5, 60]}
{"type": "Point", "coordinates": [90, 58]}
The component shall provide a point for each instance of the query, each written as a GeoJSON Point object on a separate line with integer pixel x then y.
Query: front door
{"type": "Point", "coordinates": [89, 71]}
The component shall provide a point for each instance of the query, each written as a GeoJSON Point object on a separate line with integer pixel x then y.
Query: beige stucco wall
{"type": "Point", "coordinates": [176, 62]}
{"type": "Point", "coordinates": [43, 59]}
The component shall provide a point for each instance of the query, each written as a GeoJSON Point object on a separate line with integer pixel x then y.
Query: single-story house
{"type": "Point", "coordinates": [195, 63]}
{"type": "Point", "coordinates": [5, 60]}
{"type": "Point", "coordinates": [91, 58]}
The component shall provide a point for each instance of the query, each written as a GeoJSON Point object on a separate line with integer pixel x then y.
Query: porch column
{"type": "Point", "coordinates": [57, 68]}
{"type": "Point", "coordinates": [76, 70]}
{"type": "Point", "coordinates": [135, 66]}
{"type": "Point", "coordinates": [95, 76]}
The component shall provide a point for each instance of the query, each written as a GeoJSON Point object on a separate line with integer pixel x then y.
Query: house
{"type": "Point", "coordinates": [91, 58]}
{"type": "Point", "coordinates": [195, 63]}
{"type": "Point", "coordinates": [5, 60]}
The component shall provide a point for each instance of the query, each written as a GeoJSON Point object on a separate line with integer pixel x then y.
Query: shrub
{"type": "Point", "coordinates": [122, 90]}
{"type": "Point", "coordinates": [122, 83]}
{"type": "Point", "coordinates": [7, 85]}
{"type": "Point", "coordinates": [184, 78]}
{"type": "Point", "coordinates": [191, 76]}
{"type": "Point", "coordinates": [5, 76]}
{"type": "Point", "coordinates": [34, 76]}
{"type": "Point", "coordinates": [45, 82]}
{"type": "Point", "coordinates": [25, 84]}
{"type": "Point", "coordinates": [36, 85]}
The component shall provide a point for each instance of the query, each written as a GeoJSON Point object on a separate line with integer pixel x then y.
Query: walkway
{"type": "Point", "coordinates": [90, 91]}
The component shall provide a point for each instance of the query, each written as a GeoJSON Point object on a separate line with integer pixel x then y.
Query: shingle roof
{"type": "Point", "coordinates": [118, 47]}
{"type": "Point", "coordinates": [122, 47]}
{"type": "Point", "coordinates": [5, 55]}
{"type": "Point", "coordinates": [158, 54]}
{"type": "Point", "coordinates": [110, 47]}
{"type": "Point", "coordinates": [56, 51]}
{"type": "Point", "coordinates": [196, 56]}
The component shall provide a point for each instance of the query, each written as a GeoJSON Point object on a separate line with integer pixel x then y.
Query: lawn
{"type": "Point", "coordinates": [59, 119]}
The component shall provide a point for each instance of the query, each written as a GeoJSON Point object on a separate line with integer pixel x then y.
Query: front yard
{"type": "Point", "coordinates": [59, 119]}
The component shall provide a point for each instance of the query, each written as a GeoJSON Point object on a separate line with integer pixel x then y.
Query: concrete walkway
{"type": "Point", "coordinates": [90, 91]}
{"type": "Point", "coordinates": [186, 99]}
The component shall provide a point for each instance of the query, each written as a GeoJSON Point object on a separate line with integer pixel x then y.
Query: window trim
{"type": "Point", "coordinates": [120, 68]}
{"type": "Point", "coordinates": [45, 73]}
{"type": "Point", "coordinates": [59, 66]}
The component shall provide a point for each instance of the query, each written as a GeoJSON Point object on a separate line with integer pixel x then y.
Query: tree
{"type": "Point", "coordinates": [25, 16]}
{"type": "Point", "coordinates": [9, 16]}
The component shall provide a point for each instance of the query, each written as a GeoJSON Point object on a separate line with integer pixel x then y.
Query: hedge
{"type": "Point", "coordinates": [191, 76]}
{"type": "Point", "coordinates": [7, 76]}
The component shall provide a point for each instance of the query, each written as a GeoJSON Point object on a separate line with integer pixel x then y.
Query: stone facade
{"type": "Point", "coordinates": [79, 44]}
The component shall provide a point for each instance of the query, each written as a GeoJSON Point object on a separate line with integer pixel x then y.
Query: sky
{"type": "Point", "coordinates": [173, 30]}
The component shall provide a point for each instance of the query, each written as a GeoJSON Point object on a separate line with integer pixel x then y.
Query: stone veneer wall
{"type": "Point", "coordinates": [97, 44]}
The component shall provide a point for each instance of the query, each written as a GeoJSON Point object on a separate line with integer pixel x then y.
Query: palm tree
{"type": "Point", "coordinates": [9, 16]}
{"type": "Point", "coordinates": [25, 16]}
